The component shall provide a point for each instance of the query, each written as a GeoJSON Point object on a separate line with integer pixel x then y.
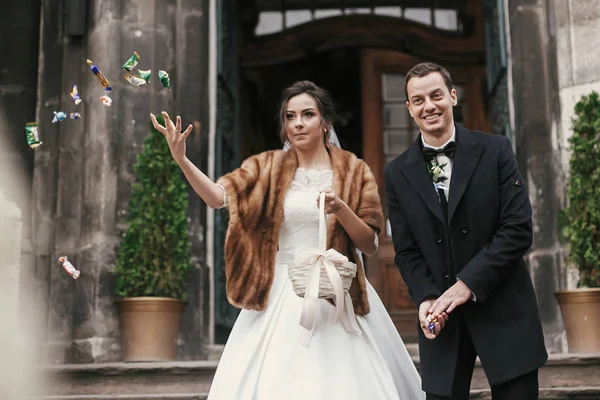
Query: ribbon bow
{"type": "Point", "coordinates": [343, 304]}
{"type": "Point", "coordinates": [448, 150]}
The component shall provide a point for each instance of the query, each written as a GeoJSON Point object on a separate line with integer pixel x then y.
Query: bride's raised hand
{"type": "Point", "coordinates": [172, 132]}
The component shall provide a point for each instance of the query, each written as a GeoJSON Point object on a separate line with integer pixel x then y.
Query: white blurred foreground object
{"type": "Point", "coordinates": [17, 373]}
{"type": "Point", "coordinates": [13, 377]}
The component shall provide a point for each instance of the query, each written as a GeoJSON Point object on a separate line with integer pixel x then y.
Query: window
{"type": "Point", "coordinates": [278, 15]}
{"type": "Point", "coordinates": [399, 129]}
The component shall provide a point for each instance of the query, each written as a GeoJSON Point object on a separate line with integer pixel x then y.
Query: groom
{"type": "Point", "coordinates": [461, 223]}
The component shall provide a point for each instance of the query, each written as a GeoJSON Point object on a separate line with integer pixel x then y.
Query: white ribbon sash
{"type": "Point", "coordinates": [327, 260]}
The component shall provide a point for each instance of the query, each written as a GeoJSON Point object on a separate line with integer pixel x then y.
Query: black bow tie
{"type": "Point", "coordinates": [448, 150]}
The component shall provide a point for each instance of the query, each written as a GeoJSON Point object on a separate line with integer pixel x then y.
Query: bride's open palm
{"type": "Point", "coordinates": [172, 132]}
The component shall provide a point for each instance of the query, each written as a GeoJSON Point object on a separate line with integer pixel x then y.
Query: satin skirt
{"type": "Point", "coordinates": [264, 358]}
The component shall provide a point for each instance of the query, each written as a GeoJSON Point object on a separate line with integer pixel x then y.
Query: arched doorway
{"type": "Point", "coordinates": [359, 50]}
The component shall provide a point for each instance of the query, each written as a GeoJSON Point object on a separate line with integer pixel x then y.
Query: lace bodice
{"type": "Point", "coordinates": [300, 227]}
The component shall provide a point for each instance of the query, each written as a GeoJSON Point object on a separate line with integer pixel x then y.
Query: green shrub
{"type": "Point", "coordinates": [580, 220]}
{"type": "Point", "coordinates": [154, 256]}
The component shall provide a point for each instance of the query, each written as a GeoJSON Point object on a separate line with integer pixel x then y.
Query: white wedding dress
{"type": "Point", "coordinates": [264, 358]}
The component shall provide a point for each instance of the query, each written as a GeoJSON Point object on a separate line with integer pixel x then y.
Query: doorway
{"type": "Point", "coordinates": [372, 121]}
{"type": "Point", "coordinates": [360, 56]}
{"type": "Point", "coordinates": [337, 71]}
{"type": "Point", "coordinates": [389, 130]}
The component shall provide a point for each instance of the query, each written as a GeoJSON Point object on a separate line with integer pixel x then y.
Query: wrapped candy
{"type": "Point", "coordinates": [432, 322]}
{"type": "Point", "coordinates": [75, 95]}
{"type": "Point", "coordinates": [74, 115]}
{"type": "Point", "coordinates": [132, 62]}
{"type": "Point", "coordinates": [164, 78]}
{"type": "Point", "coordinates": [71, 270]}
{"type": "Point", "coordinates": [59, 116]}
{"type": "Point", "coordinates": [134, 80]}
{"type": "Point", "coordinates": [101, 78]}
{"type": "Point", "coordinates": [31, 132]}
{"type": "Point", "coordinates": [107, 101]}
{"type": "Point", "coordinates": [145, 75]}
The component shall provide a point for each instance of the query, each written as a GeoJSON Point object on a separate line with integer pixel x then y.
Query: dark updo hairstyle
{"type": "Point", "coordinates": [322, 98]}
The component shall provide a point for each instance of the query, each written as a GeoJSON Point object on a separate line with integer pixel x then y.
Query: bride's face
{"type": "Point", "coordinates": [304, 122]}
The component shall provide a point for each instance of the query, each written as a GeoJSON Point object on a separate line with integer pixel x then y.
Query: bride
{"type": "Point", "coordinates": [274, 214]}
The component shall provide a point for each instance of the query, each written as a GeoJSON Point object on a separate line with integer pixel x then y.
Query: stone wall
{"type": "Point", "coordinates": [84, 170]}
{"type": "Point", "coordinates": [537, 116]}
{"type": "Point", "coordinates": [577, 42]}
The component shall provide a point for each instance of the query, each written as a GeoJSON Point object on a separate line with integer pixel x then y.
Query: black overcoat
{"type": "Point", "coordinates": [489, 230]}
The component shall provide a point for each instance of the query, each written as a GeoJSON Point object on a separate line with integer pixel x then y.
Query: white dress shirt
{"type": "Point", "coordinates": [443, 159]}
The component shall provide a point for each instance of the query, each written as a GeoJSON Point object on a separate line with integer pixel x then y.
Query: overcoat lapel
{"type": "Point", "coordinates": [465, 160]}
{"type": "Point", "coordinates": [417, 175]}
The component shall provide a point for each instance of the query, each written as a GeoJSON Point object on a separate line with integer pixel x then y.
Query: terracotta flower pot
{"type": "Point", "coordinates": [581, 315]}
{"type": "Point", "coordinates": [149, 327]}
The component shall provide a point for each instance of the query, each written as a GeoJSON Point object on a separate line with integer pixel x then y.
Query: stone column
{"type": "Point", "coordinates": [84, 170]}
{"type": "Point", "coordinates": [534, 67]}
{"type": "Point", "coordinates": [18, 88]}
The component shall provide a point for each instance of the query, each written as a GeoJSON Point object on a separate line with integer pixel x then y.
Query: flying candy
{"type": "Point", "coordinates": [74, 115]}
{"type": "Point", "coordinates": [71, 270]}
{"type": "Point", "coordinates": [134, 80]}
{"type": "Point", "coordinates": [59, 116]}
{"type": "Point", "coordinates": [31, 132]}
{"type": "Point", "coordinates": [164, 78]}
{"type": "Point", "coordinates": [132, 62]}
{"type": "Point", "coordinates": [145, 75]}
{"type": "Point", "coordinates": [101, 78]}
{"type": "Point", "coordinates": [75, 95]}
{"type": "Point", "coordinates": [107, 101]}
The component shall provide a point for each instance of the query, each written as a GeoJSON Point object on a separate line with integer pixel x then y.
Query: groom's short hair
{"type": "Point", "coordinates": [424, 69]}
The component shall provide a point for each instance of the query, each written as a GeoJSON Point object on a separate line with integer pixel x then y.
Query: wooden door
{"type": "Point", "coordinates": [388, 130]}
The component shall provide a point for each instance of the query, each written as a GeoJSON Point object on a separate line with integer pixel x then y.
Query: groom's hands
{"type": "Point", "coordinates": [457, 295]}
{"type": "Point", "coordinates": [424, 312]}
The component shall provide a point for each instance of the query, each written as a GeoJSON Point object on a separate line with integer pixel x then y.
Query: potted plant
{"type": "Point", "coordinates": [580, 223]}
{"type": "Point", "coordinates": [154, 256]}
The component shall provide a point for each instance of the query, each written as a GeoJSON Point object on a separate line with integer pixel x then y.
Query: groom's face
{"type": "Point", "coordinates": [430, 104]}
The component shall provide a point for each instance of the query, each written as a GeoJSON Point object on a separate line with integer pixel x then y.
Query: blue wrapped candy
{"type": "Point", "coordinates": [59, 116]}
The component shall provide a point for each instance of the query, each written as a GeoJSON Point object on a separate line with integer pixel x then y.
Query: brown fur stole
{"type": "Point", "coordinates": [256, 193]}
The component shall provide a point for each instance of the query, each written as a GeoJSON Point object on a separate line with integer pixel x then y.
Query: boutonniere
{"type": "Point", "coordinates": [436, 171]}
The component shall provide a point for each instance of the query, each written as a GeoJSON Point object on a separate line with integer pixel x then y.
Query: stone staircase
{"type": "Point", "coordinates": [565, 376]}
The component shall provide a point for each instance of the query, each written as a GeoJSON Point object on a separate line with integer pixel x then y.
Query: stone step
{"type": "Point", "coordinates": [157, 381]}
{"type": "Point", "coordinates": [183, 396]}
{"type": "Point", "coordinates": [580, 393]}
{"type": "Point", "coordinates": [561, 371]}
{"type": "Point", "coordinates": [129, 379]}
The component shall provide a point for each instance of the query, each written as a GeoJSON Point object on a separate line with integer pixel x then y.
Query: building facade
{"type": "Point", "coordinates": [519, 67]}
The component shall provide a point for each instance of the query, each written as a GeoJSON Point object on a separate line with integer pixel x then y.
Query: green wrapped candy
{"type": "Point", "coordinates": [164, 78]}
{"type": "Point", "coordinates": [145, 75]}
{"type": "Point", "coordinates": [31, 131]}
{"type": "Point", "coordinates": [132, 62]}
